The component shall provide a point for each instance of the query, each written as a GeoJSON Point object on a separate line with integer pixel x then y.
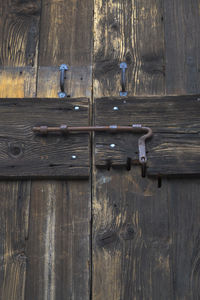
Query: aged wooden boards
{"type": "Point", "coordinates": [145, 238]}
{"type": "Point", "coordinates": [144, 242]}
{"type": "Point", "coordinates": [174, 148]}
{"type": "Point", "coordinates": [45, 224]}
{"type": "Point", "coordinates": [24, 153]}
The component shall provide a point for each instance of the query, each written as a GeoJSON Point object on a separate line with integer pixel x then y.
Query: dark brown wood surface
{"type": "Point", "coordinates": [45, 224]}
{"type": "Point", "coordinates": [130, 31]}
{"type": "Point", "coordinates": [146, 231]}
{"type": "Point", "coordinates": [19, 37]}
{"type": "Point", "coordinates": [24, 153]}
{"type": "Point", "coordinates": [175, 121]}
{"type": "Point", "coordinates": [66, 38]}
{"type": "Point", "coordinates": [182, 56]}
{"type": "Point", "coordinates": [63, 271]}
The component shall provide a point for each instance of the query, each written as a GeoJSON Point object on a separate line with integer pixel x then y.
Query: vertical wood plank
{"type": "Point", "coordinates": [19, 36]}
{"type": "Point", "coordinates": [19, 30]}
{"type": "Point", "coordinates": [184, 213]}
{"type": "Point", "coordinates": [130, 31]}
{"type": "Point", "coordinates": [182, 30]}
{"type": "Point", "coordinates": [130, 237]}
{"type": "Point", "coordinates": [14, 208]}
{"type": "Point", "coordinates": [66, 37]}
{"type": "Point", "coordinates": [182, 23]}
{"type": "Point", "coordinates": [131, 244]}
{"type": "Point", "coordinates": [59, 247]}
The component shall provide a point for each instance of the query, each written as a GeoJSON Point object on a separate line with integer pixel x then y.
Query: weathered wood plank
{"type": "Point", "coordinates": [130, 220]}
{"type": "Point", "coordinates": [14, 222]}
{"type": "Point", "coordinates": [66, 37]}
{"type": "Point", "coordinates": [182, 30]}
{"type": "Point", "coordinates": [130, 31]}
{"type": "Point", "coordinates": [182, 20]}
{"type": "Point", "coordinates": [63, 271]}
{"type": "Point", "coordinates": [58, 240]}
{"type": "Point", "coordinates": [175, 137]}
{"type": "Point", "coordinates": [19, 37]}
{"type": "Point", "coordinates": [131, 241]}
{"type": "Point", "coordinates": [19, 30]}
{"type": "Point", "coordinates": [184, 212]}
{"type": "Point", "coordinates": [24, 153]}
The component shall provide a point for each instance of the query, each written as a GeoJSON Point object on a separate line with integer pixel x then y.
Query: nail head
{"type": "Point", "coordinates": [112, 145]}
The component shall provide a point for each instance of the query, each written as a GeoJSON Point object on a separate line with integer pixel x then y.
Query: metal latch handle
{"type": "Point", "coordinates": [63, 69]}
{"type": "Point", "coordinates": [135, 128]}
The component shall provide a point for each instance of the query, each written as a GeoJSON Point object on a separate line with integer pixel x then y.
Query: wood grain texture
{"type": "Point", "coordinates": [131, 238]}
{"type": "Point", "coordinates": [130, 31]}
{"type": "Point", "coordinates": [66, 37]}
{"type": "Point", "coordinates": [58, 245]}
{"type": "Point", "coordinates": [175, 137]}
{"type": "Point", "coordinates": [14, 220]}
{"type": "Point", "coordinates": [27, 154]}
{"type": "Point", "coordinates": [182, 76]}
{"type": "Point", "coordinates": [131, 246]}
{"type": "Point", "coordinates": [182, 29]}
{"type": "Point", "coordinates": [19, 36]}
{"type": "Point", "coordinates": [61, 211]}
{"type": "Point", "coordinates": [184, 212]}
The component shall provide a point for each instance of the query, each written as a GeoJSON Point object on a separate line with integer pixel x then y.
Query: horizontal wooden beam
{"type": "Point", "coordinates": [26, 154]}
{"type": "Point", "coordinates": [175, 120]}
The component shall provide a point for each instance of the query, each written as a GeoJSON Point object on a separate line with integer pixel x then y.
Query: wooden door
{"type": "Point", "coordinates": [112, 235]}
{"type": "Point", "coordinates": [45, 223]}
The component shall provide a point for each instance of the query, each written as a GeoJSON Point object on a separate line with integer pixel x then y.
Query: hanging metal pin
{"type": "Point", "coordinates": [63, 69]}
{"type": "Point", "coordinates": [123, 92]}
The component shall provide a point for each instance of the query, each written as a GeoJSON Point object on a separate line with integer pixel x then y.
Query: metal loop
{"type": "Point", "coordinates": [123, 66]}
{"type": "Point", "coordinates": [63, 69]}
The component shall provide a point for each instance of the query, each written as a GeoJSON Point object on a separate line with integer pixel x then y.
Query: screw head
{"type": "Point", "coordinates": [63, 67]}
{"type": "Point", "coordinates": [123, 65]}
{"type": "Point", "coordinates": [62, 95]}
{"type": "Point", "coordinates": [115, 108]}
{"type": "Point", "coordinates": [112, 145]}
{"type": "Point", "coordinates": [123, 94]}
{"type": "Point", "coordinates": [76, 108]}
{"type": "Point", "coordinates": [73, 156]}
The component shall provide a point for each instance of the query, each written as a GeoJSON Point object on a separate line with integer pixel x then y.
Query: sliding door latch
{"type": "Point", "coordinates": [135, 128]}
